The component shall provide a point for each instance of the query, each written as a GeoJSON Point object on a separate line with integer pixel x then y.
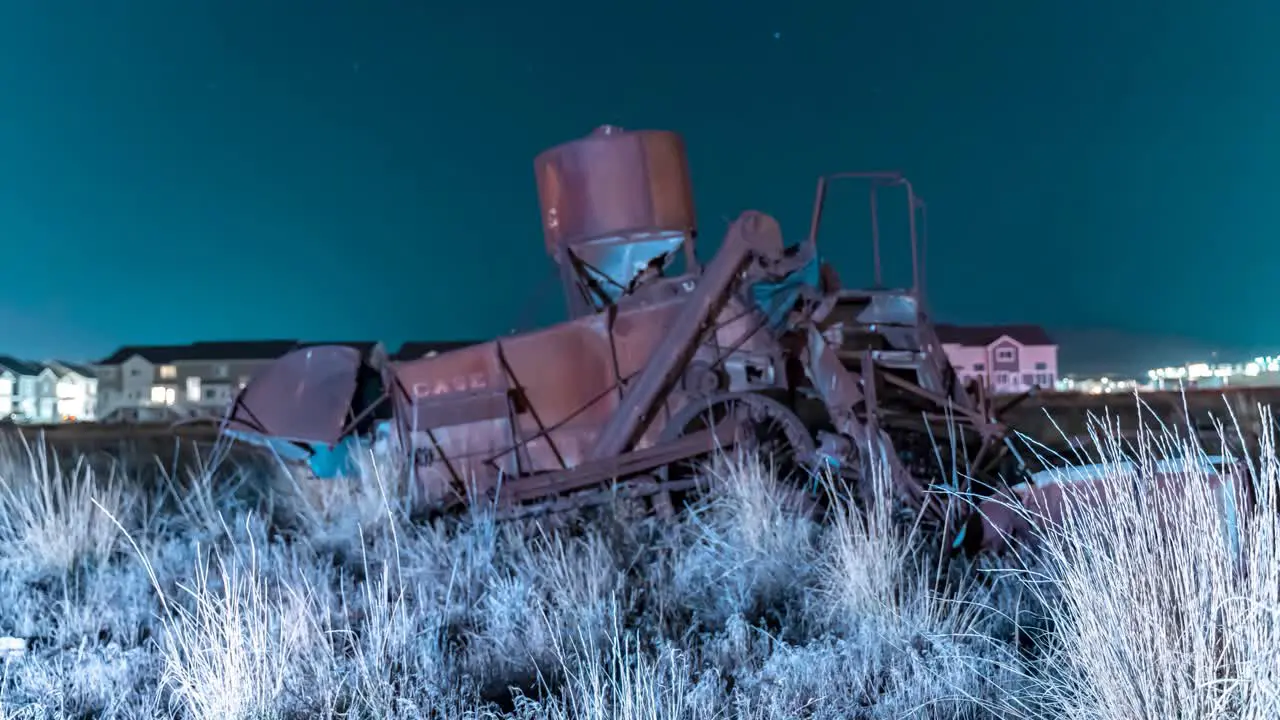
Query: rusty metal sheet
{"type": "Point", "coordinates": [302, 396]}
{"type": "Point", "coordinates": [545, 394]}
{"type": "Point", "coordinates": [560, 384]}
{"type": "Point", "coordinates": [620, 203]}
{"type": "Point", "coordinates": [612, 182]}
{"type": "Point", "coordinates": [1029, 509]}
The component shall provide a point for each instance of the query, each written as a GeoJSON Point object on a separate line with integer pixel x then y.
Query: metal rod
{"type": "Point", "coordinates": [915, 250]}
{"type": "Point", "coordinates": [924, 247]}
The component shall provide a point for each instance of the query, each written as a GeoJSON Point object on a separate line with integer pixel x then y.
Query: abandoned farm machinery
{"type": "Point", "coordinates": [662, 362]}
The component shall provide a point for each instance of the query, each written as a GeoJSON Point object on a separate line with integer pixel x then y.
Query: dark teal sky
{"type": "Point", "coordinates": [182, 169]}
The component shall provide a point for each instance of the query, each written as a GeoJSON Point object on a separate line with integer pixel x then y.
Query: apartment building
{"type": "Point", "coordinates": [1007, 358]}
{"type": "Point", "coordinates": [28, 391]}
{"type": "Point", "coordinates": [76, 391]}
{"type": "Point", "coordinates": [165, 382]}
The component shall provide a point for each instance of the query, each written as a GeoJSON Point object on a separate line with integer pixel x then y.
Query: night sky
{"type": "Point", "coordinates": [208, 169]}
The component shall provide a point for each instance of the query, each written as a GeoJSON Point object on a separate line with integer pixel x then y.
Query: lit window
{"type": "Point", "coordinates": [168, 372]}
{"type": "Point", "coordinates": [193, 389]}
{"type": "Point", "coordinates": [162, 395]}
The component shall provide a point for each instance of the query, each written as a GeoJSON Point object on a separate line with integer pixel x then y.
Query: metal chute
{"type": "Point", "coordinates": [301, 406]}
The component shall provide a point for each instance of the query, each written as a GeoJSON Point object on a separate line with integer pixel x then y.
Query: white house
{"type": "Point", "coordinates": [77, 391]}
{"type": "Point", "coordinates": [8, 388]}
{"type": "Point", "coordinates": [32, 391]}
{"type": "Point", "coordinates": [1007, 358]}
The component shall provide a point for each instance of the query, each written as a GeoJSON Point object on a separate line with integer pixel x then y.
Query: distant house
{"type": "Point", "coordinates": [76, 391]}
{"type": "Point", "coordinates": [1007, 358]}
{"type": "Point", "coordinates": [153, 382]}
{"type": "Point", "coordinates": [28, 391]}
{"type": "Point", "coordinates": [8, 393]}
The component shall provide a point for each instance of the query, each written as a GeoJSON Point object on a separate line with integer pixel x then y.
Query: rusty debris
{"type": "Point", "coordinates": [662, 362]}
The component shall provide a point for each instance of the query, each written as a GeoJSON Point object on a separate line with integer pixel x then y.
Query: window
{"type": "Point", "coordinates": [1042, 366]}
{"type": "Point", "coordinates": [1002, 379]}
{"type": "Point", "coordinates": [193, 389]}
{"type": "Point", "coordinates": [1028, 380]}
{"type": "Point", "coordinates": [1005, 354]}
{"type": "Point", "coordinates": [168, 372]}
{"type": "Point", "coordinates": [211, 393]}
{"type": "Point", "coordinates": [163, 395]}
{"type": "Point", "coordinates": [221, 371]}
{"type": "Point", "coordinates": [959, 368]}
{"type": "Point", "coordinates": [134, 372]}
{"type": "Point", "coordinates": [979, 367]}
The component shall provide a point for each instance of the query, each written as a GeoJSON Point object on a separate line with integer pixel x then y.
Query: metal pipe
{"type": "Point", "coordinates": [924, 247]}
{"type": "Point", "coordinates": [911, 222]}
{"type": "Point", "coordinates": [819, 198]}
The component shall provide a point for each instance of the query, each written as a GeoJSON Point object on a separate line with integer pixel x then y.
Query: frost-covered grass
{"type": "Point", "coordinates": [218, 597]}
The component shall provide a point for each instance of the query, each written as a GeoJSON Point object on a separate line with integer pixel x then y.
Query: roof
{"type": "Point", "coordinates": [63, 368]}
{"type": "Point", "coordinates": [983, 335]}
{"type": "Point", "coordinates": [364, 346]}
{"type": "Point", "coordinates": [20, 367]}
{"type": "Point", "coordinates": [265, 350]}
{"type": "Point", "coordinates": [415, 349]}
{"type": "Point", "coordinates": [214, 350]}
{"type": "Point", "coordinates": [241, 349]}
{"type": "Point", "coordinates": [152, 353]}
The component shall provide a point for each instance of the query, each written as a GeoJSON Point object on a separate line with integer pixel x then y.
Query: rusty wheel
{"type": "Point", "coordinates": [766, 427]}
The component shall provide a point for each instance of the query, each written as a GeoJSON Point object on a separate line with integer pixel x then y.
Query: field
{"type": "Point", "coordinates": [244, 593]}
{"type": "Point", "coordinates": [1051, 415]}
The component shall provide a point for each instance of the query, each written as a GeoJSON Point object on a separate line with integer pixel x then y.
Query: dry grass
{"type": "Point", "coordinates": [324, 601]}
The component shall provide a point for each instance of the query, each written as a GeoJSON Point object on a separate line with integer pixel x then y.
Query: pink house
{"type": "Point", "coordinates": [1008, 358]}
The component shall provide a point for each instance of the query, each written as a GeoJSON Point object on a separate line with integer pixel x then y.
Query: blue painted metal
{"type": "Point", "coordinates": [776, 299]}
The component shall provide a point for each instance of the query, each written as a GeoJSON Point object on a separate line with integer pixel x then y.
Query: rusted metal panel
{"type": "Point", "coordinates": [561, 383]}
{"type": "Point", "coordinates": [305, 395]}
{"type": "Point", "coordinates": [617, 206]}
{"type": "Point", "coordinates": [614, 182]}
{"type": "Point", "coordinates": [1020, 516]}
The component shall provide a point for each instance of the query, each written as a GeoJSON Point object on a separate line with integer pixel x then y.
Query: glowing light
{"type": "Point", "coordinates": [162, 395]}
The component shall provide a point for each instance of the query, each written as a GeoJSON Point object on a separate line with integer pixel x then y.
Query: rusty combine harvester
{"type": "Point", "coordinates": [760, 348]}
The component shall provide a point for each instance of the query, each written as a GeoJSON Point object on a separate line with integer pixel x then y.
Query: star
{"type": "Point", "coordinates": [777, 36]}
